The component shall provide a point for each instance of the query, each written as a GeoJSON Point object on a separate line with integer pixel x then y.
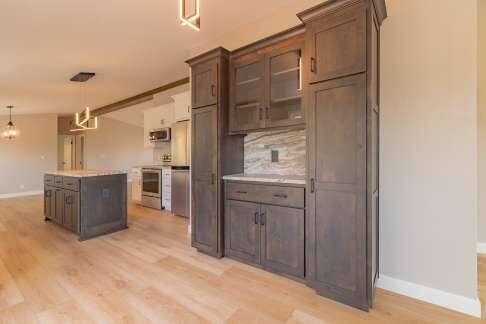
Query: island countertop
{"type": "Point", "coordinates": [267, 178]}
{"type": "Point", "coordinates": [85, 173]}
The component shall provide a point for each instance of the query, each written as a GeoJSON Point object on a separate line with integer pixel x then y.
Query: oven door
{"type": "Point", "coordinates": [151, 183]}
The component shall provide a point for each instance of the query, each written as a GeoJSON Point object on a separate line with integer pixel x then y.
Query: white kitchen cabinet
{"type": "Point", "coordinates": [166, 188]}
{"type": "Point", "coordinates": [182, 106]}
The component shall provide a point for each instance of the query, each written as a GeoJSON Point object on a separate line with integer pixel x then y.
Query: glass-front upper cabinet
{"type": "Point", "coordinates": [247, 94]}
{"type": "Point", "coordinates": [266, 88]}
{"type": "Point", "coordinates": [284, 102]}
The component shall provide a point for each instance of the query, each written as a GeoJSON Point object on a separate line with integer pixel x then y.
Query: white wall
{"type": "Point", "coordinates": [482, 124]}
{"type": "Point", "coordinates": [115, 145]}
{"type": "Point", "coordinates": [24, 160]}
{"type": "Point", "coordinates": [428, 142]}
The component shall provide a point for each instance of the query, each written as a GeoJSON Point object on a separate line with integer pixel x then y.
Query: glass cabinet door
{"type": "Point", "coordinates": [246, 108]}
{"type": "Point", "coordinates": [284, 105]}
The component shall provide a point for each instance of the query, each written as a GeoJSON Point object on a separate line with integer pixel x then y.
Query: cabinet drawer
{"type": "Point", "coordinates": [70, 183]}
{"type": "Point", "coordinates": [58, 181]}
{"type": "Point", "coordinates": [275, 195]}
{"type": "Point", "coordinates": [49, 179]}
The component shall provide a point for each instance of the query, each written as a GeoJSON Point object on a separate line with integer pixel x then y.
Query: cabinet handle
{"type": "Point", "coordinates": [241, 192]}
{"type": "Point", "coordinates": [266, 113]}
{"type": "Point", "coordinates": [69, 200]}
{"type": "Point", "coordinates": [280, 196]}
{"type": "Point", "coordinates": [213, 92]}
{"type": "Point", "coordinates": [300, 74]}
{"type": "Point", "coordinates": [213, 180]}
{"type": "Point", "coordinates": [260, 113]}
{"type": "Point", "coordinates": [262, 219]}
{"type": "Point", "coordinates": [256, 218]}
{"type": "Point", "coordinates": [312, 186]}
{"type": "Point", "coordinates": [313, 65]}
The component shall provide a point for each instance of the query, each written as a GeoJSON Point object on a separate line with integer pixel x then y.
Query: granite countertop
{"type": "Point", "coordinates": [268, 178]}
{"type": "Point", "coordinates": [85, 173]}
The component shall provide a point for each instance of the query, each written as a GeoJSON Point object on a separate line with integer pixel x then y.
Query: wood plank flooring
{"type": "Point", "coordinates": [150, 274]}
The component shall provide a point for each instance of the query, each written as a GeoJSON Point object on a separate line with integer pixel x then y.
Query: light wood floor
{"type": "Point", "coordinates": [150, 274]}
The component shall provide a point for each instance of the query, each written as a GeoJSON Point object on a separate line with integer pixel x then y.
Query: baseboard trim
{"type": "Point", "coordinates": [21, 194]}
{"type": "Point", "coordinates": [438, 297]}
{"type": "Point", "coordinates": [481, 247]}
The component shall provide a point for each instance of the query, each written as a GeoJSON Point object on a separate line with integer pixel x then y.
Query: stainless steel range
{"type": "Point", "coordinates": [152, 188]}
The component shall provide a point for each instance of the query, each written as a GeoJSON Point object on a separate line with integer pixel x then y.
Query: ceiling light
{"type": "Point", "coordinates": [83, 125]}
{"type": "Point", "coordinates": [193, 21]}
{"type": "Point", "coordinates": [10, 131]}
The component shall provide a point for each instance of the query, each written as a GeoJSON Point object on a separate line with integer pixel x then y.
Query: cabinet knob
{"type": "Point", "coordinates": [213, 90]}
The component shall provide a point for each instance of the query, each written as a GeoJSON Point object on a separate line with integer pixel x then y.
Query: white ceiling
{"type": "Point", "coordinates": [133, 46]}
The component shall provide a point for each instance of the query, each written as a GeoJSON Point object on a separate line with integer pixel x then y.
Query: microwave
{"type": "Point", "coordinates": [160, 135]}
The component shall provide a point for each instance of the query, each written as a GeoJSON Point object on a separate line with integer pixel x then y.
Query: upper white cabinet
{"type": "Point", "coordinates": [182, 106]}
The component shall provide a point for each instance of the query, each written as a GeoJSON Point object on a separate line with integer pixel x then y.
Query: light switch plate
{"type": "Point", "coordinates": [274, 156]}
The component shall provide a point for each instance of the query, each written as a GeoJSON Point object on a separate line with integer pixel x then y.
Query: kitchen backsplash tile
{"type": "Point", "coordinates": [291, 147]}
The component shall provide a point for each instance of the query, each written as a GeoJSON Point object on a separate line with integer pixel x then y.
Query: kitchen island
{"type": "Point", "coordinates": [87, 202]}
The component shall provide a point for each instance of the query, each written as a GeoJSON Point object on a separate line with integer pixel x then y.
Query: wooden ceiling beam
{"type": "Point", "coordinates": [142, 97]}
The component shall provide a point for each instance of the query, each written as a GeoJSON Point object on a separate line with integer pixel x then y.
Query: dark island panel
{"type": "Point", "coordinates": [89, 203]}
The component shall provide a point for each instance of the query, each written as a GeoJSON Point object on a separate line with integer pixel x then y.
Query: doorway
{"type": "Point", "coordinates": [71, 152]}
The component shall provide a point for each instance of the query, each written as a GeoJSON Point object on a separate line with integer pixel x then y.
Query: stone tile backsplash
{"type": "Point", "coordinates": [291, 147]}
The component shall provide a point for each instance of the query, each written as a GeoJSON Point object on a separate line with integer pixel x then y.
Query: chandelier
{"type": "Point", "coordinates": [10, 131]}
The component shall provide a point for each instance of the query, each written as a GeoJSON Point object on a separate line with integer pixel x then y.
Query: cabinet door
{"type": "Point", "coordinates": [243, 231]}
{"type": "Point", "coordinates": [205, 214]}
{"type": "Point", "coordinates": [204, 84]}
{"type": "Point", "coordinates": [71, 210]}
{"type": "Point", "coordinates": [284, 93]}
{"type": "Point", "coordinates": [182, 106]}
{"type": "Point", "coordinates": [49, 202]}
{"type": "Point", "coordinates": [59, 201]}
{"type": "Point", "coordinates": [282, 240]}
{"type": "Point", "coordinates": [337, 190]}
{"type": "Point", "coordinates": [247, 93]}
{"type": "Point", "coordinates": [337, 44]}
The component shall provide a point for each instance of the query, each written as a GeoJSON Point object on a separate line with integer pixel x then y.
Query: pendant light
{"type": "Point", "coordinates": [194, 20]}
{"type": "Point", "coordinates": [10, 131]}
{"type": "Point", "coordinates": [84, 124]}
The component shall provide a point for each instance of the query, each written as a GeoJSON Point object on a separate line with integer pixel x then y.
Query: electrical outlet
{"type": "Point", "coordinates": [274, 155]}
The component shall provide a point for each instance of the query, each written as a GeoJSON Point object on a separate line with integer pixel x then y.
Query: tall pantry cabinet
{"type": "Point", "coordinates": [342, 111]}
{"type": "Point", "coordinates": [214, 152]}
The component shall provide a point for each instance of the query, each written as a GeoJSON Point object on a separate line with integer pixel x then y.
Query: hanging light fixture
{"type": "Point", "coordinates": [10, 131]}
{"type": "Point", "coordinates": [84, 124]}
{"type": "Point", "coordinates": [193, 21]}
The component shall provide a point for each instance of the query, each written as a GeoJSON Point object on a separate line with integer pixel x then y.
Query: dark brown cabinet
{"type": "Point", "coordinates": [49, 201]}
{"type": "Point", "coordinates": [204, 172]}
{"type": "Point", "coordinates": [214, 152]}
{"type": "Point", "coordinates": [71, 210]}
{"type": "Point", "coordinates": [243, 230]}
{"type": "Point", "coordinates": [337, 44]}
{"type": "Point", "coordinates": [342, 39]}
{"type": "Point", "coordinates": [204, 84]}
{"type": "Point", "coordinates": [271, 236]}
{"type": "Point", "coordinates": [62, 205]}
{"type": "Point", "coordinates": [282, 240]}
{"type": "Point", "coordinates": [266, 87]}
{"type": "Point", "coordinates": [58, 216]}
{"type": "Point", "coordinates": [88, 205]}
